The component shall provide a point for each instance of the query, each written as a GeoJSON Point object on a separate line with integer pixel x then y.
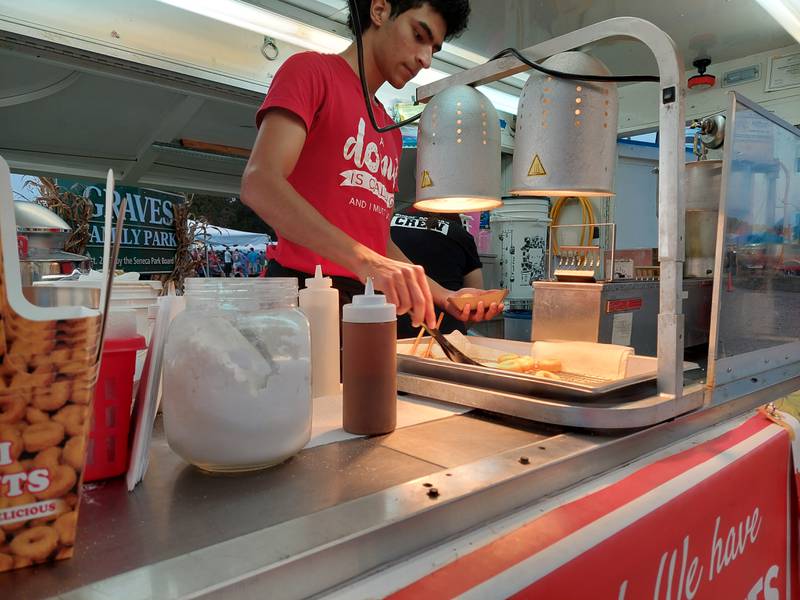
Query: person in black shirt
{"type": "Point", "coordinates": [445, 249]}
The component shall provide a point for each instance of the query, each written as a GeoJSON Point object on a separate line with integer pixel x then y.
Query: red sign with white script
{"type": "Point", "coordinates": [623, 305]}
{"type": "Point", "coordinates": [723, 538]}
{"type": "Point", "coordinates": [710, 523]}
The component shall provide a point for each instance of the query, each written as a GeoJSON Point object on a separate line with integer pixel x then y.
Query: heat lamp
{"type": "Point", "coordinates": [458, 156]}
{"type": "Point", "coordinates": [566, 131]}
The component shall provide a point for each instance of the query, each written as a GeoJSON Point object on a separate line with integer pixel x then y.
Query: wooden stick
{"type": "Point", "coordinates": [217, 148]}
{"type": "Point", "coordinates": [416, 341]}
{"type": "Point", "coordinates": [427, 353]}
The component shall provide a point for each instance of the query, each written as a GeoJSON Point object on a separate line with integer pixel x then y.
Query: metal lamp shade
{"type": "Point", "coordinates": [458, 154]}
{"type": "Point", "coordinates": [566, 132]}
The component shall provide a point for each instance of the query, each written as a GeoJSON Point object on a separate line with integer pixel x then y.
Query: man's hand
{"type": "Point", "coordinates": [473, 314]}
{"type": "Point", "coordinates": [404, 285]}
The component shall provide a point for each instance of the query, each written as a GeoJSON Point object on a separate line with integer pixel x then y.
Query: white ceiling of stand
{"type": "Point", "coordinates": [721, 29]}
{"type": "Point", "coordinates": [100, 112]}
{"type": "Point", "coordinates": [101, 122]}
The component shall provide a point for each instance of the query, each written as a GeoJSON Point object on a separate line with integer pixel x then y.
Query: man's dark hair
{"type": "Point", "coordinates": [454, 12]}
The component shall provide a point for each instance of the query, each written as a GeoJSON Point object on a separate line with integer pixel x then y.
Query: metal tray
{"type": "Point", "coordinates": [643, 369]}
{"type": "Point", "coordinates": [618, 411]}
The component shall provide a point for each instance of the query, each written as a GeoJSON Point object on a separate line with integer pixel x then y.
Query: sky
{"type": "Point", "coordinates": [18, 187]}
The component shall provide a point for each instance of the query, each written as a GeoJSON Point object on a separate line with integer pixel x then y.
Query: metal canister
{"type": "Point", "coordinates": [43, 235]}
{"type": "Point", "coordinates": [703, 179]}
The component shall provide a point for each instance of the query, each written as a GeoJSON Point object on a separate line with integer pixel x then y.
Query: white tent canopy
{"type": "Point", "coordinates": [219, 237]}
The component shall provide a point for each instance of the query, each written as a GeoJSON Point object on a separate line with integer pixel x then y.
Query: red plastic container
{"type": "Point", "coordinates": [107, 455]}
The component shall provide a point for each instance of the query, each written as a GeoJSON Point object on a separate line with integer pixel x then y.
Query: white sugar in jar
{"type": "Point", "coordinates": [237, 374]}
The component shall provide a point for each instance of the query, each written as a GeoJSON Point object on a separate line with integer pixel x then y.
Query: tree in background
{"type": "Point", "coordinates": [228, 212]}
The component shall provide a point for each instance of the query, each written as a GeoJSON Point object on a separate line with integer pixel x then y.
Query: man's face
{"type": "Point", "coordinates": [406, 43]}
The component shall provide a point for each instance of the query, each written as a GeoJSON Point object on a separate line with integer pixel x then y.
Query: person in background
{"type": "Point", "coordinates": [235, 256]}
{"type": "Point", "coordinates": [214, 264]}
{"type": "Point", "coordinates": [199, 263]}
{"type": "Point", "coordinates": [252, 259]}
{"type": "Point", "coordinates": [244, 258]}
{"type": "Point", "coordinates": [239, 263]}
{"type": "Point", "coordinates": [325, 179]}
{"type": "Point", "coordinates": [447, 251]}
{"type": "Point", "coordinates": [262, 260]}
{"type": "Point", "coordinates": [227, 261]}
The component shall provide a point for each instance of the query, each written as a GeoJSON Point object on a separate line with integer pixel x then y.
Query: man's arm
{"type": "Point", "coordinates": [438, 292]}
{"type": "Point", "coordinates": [266, 190]}
{"type": "Point", "coordinates": [474, 279]}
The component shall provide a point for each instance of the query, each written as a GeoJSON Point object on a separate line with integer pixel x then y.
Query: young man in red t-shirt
{"type": "Point", "coordinates": [321, 175]}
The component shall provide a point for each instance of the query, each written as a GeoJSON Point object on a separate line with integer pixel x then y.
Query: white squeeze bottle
{"type": "Point", "coordinates": [320, 303]}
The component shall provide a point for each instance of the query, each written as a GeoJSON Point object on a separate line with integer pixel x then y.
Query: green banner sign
{"type": "Point", "coordinates": [148, 235]}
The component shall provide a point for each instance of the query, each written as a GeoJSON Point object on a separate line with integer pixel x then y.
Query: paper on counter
{"type": "Point", "coordinates": [590, 359]}
{"type": "Point", "coordinates": [149, 393]}
{"type": "Point", "coordinates": [604, 361]}
{"type": "Point", "coordinates": [326, 425]}
{"type": "Point", "coordinates": [622, 329]}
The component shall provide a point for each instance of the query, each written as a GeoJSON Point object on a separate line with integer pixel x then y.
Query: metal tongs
{"type": "Point", "coordinates": [450, 351]}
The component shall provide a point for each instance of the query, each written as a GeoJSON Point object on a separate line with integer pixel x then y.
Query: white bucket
{"type": "Point", "coordinates": [519, 239]}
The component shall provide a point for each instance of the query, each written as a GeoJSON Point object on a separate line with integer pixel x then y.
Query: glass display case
{"type": "Point", "coordinates": [755, 331]}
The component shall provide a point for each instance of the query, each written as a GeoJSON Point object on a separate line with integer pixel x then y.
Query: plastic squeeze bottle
{"type": "Point", "coordinates": [369, 364]}
{"type": "Point", "coordinates": [320, 303]}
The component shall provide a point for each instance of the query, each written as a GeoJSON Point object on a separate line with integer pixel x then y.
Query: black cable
{"type": "Point", "coordinates": [572, 76]}
{"type": "Point", "coordinates": [356, 18]}
{"type": "Point", "coordinates": [361, 75]}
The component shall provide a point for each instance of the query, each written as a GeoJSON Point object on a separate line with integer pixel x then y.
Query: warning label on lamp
{"type": "Point", "coordinates": [537, 168]}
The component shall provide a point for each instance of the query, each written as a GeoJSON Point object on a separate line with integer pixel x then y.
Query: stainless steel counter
{"type": "Point", "coordinates": [331, 513]}
{"type": "Point", "coordinates": [178, 509]}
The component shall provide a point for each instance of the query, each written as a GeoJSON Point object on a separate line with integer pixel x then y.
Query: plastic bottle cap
{"type": "Point", "coordinates": [369, 307]}
{"type": "Point", "coordinates": [318, 282]}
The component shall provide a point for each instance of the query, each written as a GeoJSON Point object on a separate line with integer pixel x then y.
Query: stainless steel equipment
{"type": "Point", "coordinates": [618, 312]}
{"type": "Point", "coordinates": [45, 234]}
{"type": "Point", "coordinates": [672, 140]}
{"type": "Point", "coordinates": [702, 186]}
{"type": "Point", "coordinates": [712, 131]}
{"type": "Point", "coordinates": [574, 400]}
{"type": "Point", "coordinates": [584, 262]}
{"type": "Point", "coordinates": [42, 293]}
{"type": "Point", "coordinates": [640, 369]}
{"type": "Point", "coordinates": [622, 411]}
{"type": "Point", "coordinates": [703, 180]}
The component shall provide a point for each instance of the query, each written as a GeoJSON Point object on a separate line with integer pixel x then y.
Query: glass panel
{"type": "Point", "coordinates": [760, 285]}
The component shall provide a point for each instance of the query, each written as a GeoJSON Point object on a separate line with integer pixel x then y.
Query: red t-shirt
{"type": "Point", "coordinates": [346, 170]}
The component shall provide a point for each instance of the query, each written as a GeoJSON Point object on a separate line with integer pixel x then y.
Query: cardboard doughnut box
{"type": "Point", "coordinates": [47, 374]}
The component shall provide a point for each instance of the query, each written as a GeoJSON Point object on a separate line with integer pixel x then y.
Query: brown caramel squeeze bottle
{"type": "Point", "coordinates": [369, 364]}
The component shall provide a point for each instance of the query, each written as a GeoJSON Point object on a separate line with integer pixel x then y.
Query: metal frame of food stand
{"type": "Point", "coordinates": [671, 200]}
{"type": "Point", "coordinates": [748, 370]}
{"type": "Point", "coordinates": [729, 378]}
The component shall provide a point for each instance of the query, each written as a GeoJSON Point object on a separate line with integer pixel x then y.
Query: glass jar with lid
{"type": "Point", "coordinates": [237, 374]}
